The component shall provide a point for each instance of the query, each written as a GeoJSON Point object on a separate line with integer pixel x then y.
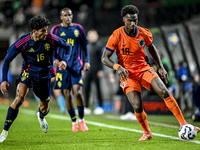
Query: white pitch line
{"type": "Point", "coordinates": [54, 116]}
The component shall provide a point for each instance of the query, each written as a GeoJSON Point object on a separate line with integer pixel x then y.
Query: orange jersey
{"type": "Point", "coordinates": [130, 49]}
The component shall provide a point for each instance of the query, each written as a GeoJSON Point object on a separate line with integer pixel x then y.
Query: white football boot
{"type": "Point", "coordinates": [3, 136]}
{"type": "Point", "coordinates": [43, 123]}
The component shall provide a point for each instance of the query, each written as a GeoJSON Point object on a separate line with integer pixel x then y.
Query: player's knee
{"type": "Point", "coordinates": [78, 93]}
{"type": "Point", "coordinates": [20, 97]}
{"type": "Point", "coordinates": [44, 109]}
{"type": "Point", "coordinates": [164, 93]}
{"type": "Point", "coordinates": [137, 108]}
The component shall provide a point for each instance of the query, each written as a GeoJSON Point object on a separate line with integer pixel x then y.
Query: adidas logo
{"type": "Point", "coordinates": [31, 50]}
{"type": "Point", "coordinates": [9, 121]}
{"type": "Point", "coordinates": [81, 81]}
{"type": "Point", "coordinates": [63, 34]}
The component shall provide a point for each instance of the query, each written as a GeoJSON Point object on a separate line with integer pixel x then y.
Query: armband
{"type": "Point", "coordinates": [115, 67]}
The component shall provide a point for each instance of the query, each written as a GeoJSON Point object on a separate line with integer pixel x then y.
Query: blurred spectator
{"type": "Point", "coordinates": [186, 84]}
{"type": "Point", "coordinates": [95, 72]}
{"type": "Point", "coordinates": [196, 99]}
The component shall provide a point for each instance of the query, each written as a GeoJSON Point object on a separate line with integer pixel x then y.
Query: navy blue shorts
{"type": "Point", "coordinates": [66, 79]}
{"type": "Point", "coordinates": [41, 87]}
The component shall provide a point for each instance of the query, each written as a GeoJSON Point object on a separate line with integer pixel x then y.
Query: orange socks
{"type": "Point", "coordinates": [174, 108]}
{"type": "Point", "coordinates": [142, 119]}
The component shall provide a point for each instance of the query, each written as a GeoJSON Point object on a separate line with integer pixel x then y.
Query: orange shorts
{"type": "Point", "coordinates": [135, 81]}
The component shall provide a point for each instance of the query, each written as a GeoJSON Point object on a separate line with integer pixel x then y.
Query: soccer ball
{"type": "Point", "coordinates": [187, 132]}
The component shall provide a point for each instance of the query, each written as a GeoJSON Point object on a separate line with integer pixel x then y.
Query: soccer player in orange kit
{"type": "Point", "coordinates": [129, 42]}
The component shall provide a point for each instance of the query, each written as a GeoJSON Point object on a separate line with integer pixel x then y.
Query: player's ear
{"type": "Point", "coordinates": [34, 30]}
{"type": "Point", "coordinates": [124, 19]}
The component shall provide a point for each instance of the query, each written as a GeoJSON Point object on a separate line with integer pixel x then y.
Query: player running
{"type": "Point", "coordinates": [129, 41]}
{"type": "Point", "coordinates": [36, 49]}
{"type": "Point", "coordinates": [71, 78]}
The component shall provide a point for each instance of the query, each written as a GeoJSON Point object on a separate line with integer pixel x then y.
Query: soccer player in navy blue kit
{"type": "Point", "coordinates": [71, 78]}
{"type": "Point", "coordinates": [36, 49]}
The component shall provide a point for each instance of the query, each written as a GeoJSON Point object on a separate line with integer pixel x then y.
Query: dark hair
{"type": "Point", "coordinates": [66, 8]}
{"type": "Point", "coordinates": [38, 22]}
{"type": "Point", "coordinates": [129, 9]}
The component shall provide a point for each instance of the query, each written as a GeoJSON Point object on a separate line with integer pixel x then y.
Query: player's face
{"type": "Point", "coordinates": [41, 34]}
{"type": "Point", "coordinates": [130, 21]}
{"type": "Point", "coordinates": [66, 17]}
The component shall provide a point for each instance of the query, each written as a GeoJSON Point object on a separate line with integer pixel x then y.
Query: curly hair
{"type": "Point", "coordinates": [38, 22]}
{"type": "Point", "coordinates": [129, 9]}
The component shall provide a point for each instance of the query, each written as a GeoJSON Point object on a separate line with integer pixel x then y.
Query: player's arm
{"type": "Point", "coordinates": [154, 53]}
{"type": "Point", "coordinates": [11, 54]}
{"type": "Point", "coordinates": [60, 42]}
{"type": "Point", "coordinates": [105, 59]}
{"type": "Point", "coordinates": [83, 43]}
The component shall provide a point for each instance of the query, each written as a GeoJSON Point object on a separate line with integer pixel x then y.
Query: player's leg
{"type": "Point", "coordinates": [70, 108]}
{"type": "Point", "coordinates": [13, 110]}
{"type": "Point", "coordinates": [132, 89]}
{"type": "Point", "coordinates": [77, 88]}
{"type": "Point", "coordinates": [60, 100]}
{"type": "Point", "coordinates": [159, 87]}
{"type": "Point", "coordinates": [77, 84]}
{"type": "Point", "coordinates": [42, 90]}
{"type": "Point", "coordinates": [87, 90]}
{"type": "Point", "coordinates": [99, 110]}
{"type": "Point", "coordinates": [134, 98]}
{"type": "Point", "coordinates": [36, 98]}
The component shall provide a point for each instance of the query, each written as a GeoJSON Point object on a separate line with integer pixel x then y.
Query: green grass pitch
{"type": "Point", "coordinates": [106, 132]}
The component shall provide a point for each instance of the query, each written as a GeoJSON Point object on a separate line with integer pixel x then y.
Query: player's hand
{"type": "Point", "coordinates": [62, 65]}
{"type": "Point", "coordinates": [163, 74]}
{"type": "Point", "coordinates": [56, 62]}
{"type": "Point", "coordinates": [86, 66]}
{"type": "Point", "coordinates": [123, 73]}
{"type": "Point", "coordinates": [4, 87]}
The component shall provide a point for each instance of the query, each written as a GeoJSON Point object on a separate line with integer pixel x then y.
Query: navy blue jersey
{"type": "Point", "coordinates": [75, 36]}
{"type": "Point", "coordinates": [37, 55]}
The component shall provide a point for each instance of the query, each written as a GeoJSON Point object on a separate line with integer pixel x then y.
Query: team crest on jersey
{"type": "Point", "coordinates": [141, 42]}
{"type": "Point", "coordinates": [31, 50]}
{"type": "Point", "coordinates": [76, 33]}
{"type": "Point", "coordinates": [47, 46]}
{"type": "Point", "coordinates": [63, 34]}
{"type": "Point", "coordinates": [123, 85]}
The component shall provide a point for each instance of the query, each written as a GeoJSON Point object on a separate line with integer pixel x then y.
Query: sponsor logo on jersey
{"type": "Point", "coordinates": [31, 50]}
{"type": "Point", "coordinates": [47, 46]}
{"type": "Point", "coordinates": [63, 34]}
{"type": "Point", "coordinates": [141, 42]}
{"type": "Point", "coordinates": [76, 33]}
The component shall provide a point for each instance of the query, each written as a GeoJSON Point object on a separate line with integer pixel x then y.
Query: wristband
{"type": "Point", "coordinates": [115, 67]}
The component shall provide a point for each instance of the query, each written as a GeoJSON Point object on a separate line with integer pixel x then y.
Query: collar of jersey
{"type": "Point", "coordinates": [132, 35]}
{"type": "Point", "coordinates": [63, 25]}
{"type": "Point", "coordinates": [31, 35]}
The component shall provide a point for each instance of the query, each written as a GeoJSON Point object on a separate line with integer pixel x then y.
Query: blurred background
{"type": "Point", "coordinates": [176, 33]}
